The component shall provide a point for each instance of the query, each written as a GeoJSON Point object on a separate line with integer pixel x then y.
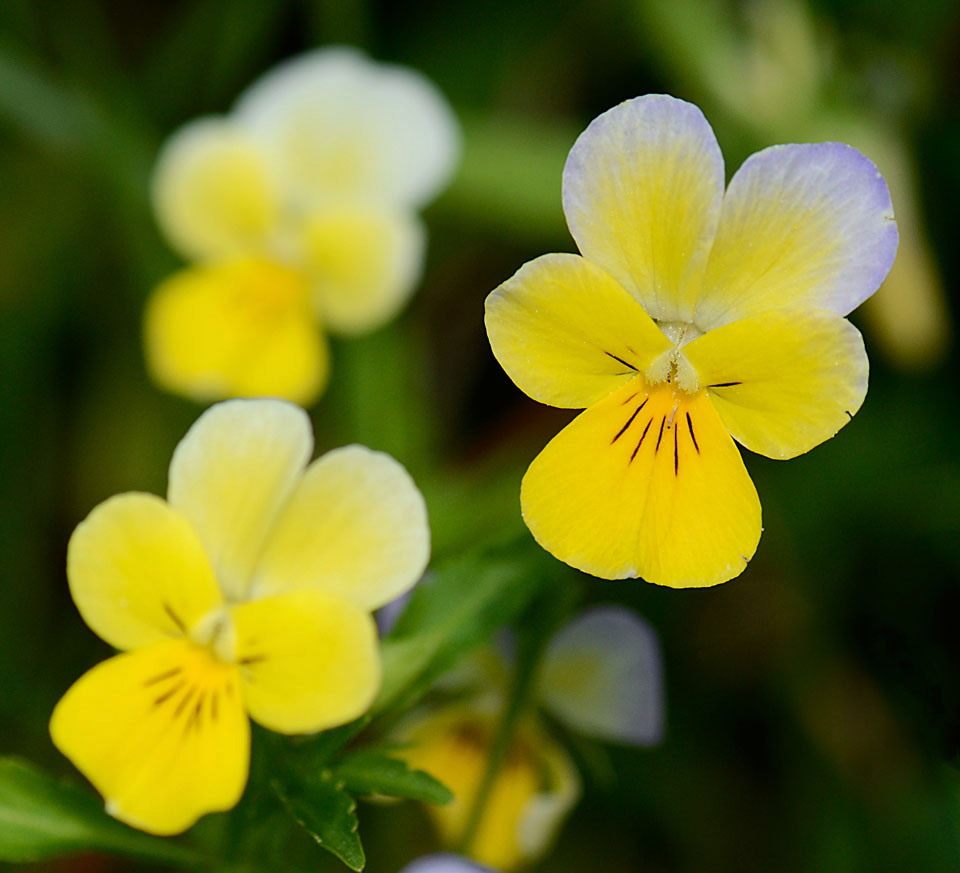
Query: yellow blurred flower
{"type": "Point", "coordinates": [532, 793]}
{"type": "Point", "coordinates": [601, 677]}
{"type": "Point", "coordinates": [695, 316]}
{"type": "Point", "coordinates": [299, 210]}
{"type": "Point", "coordinates": [247, 592]}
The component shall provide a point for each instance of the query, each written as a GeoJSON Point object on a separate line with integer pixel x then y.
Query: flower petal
{"type": "Point", "coordinates": [785, 381]}
{"type": "Point", "coordinates": [363, 261]}
{"type": "Point", "coordinates": [603, 677]}
{"type": "Point", "coordinates": [443, 864]}
{"type": "Point", "coordinates": [309, 660]}
{"type": "Point", "coordinates": [232, 474]}
{"type": "Point", "coordinates": [161, 734]}
{"type": "Point", "coordinates": [568, 334]}
{"type": "Point", "coordinates": [213, 191]}
{"type": "Point", "coordinates": [338, 124]}
{"type": "Point", "coordinates": [237, 328]}
{"type": "Point", "coordinates": [807, 226]}
{"type": "Point", "coordinates": [138, 573]}
{"type": "Point", "coordinates": [356, 526]}
{"type": "Point", "coordinates": [645, 483]}
{"type": "Point", "coordinates": [642, 189]}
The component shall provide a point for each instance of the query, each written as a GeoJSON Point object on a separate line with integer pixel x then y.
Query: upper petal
{"type": "Point", "coordinates": [213, 191]}
{"type": "Point", "coordinates": [138, 573]}
{"type": "Point", "coordinates": [237, 328]}
{"type": "Point", "coordinates": [603, 676]}
{"type": "Point", "coordinates": [806, 226]}
{"type": "Point", "coordinates": [232, 474]}
{"type": "Point", "coordinates": [363, 261]}
{"type": "Point", "coordinates": [160, 732]}
{"type": "Point", "coordinates": [642, 189]}
{"type": "Point", "coordinates": [443, 864]}
{"type": "Point", "coordinates": [568, 334]}
{"type": "Point", "coordinates": [785, 381]}
{"type": "Point", "coordinates": [336, 123]}
{"type": "Point", "coordinates": [309, 660]}
{"type": "Point", "coordinates": [356, 526]}
{"type": "Point", "coordinates": [645, 483]}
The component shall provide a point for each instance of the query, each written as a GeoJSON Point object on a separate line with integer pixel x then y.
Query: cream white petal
{"type": "Point", "coordinates": [232, 474]}
{"type": "Point", "coordinates": [336, 123]}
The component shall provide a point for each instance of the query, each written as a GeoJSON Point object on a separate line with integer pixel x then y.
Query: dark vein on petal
{"type": "Point", "coordinates": [663, 421]}
{"type": "Point", "coordinates": [636, 412]}
{"type": "Point", "coordinates": [637, 449]}
{"type": "Point", "coordinates": [175, 618]}
{"type": "Point", "coordinates": [169, 693]}
{"type": "Point", "coordinates": [166, 674]}
{"type": "Point", "coordinates": [622, 361]}
{"type": "Point", "coordinates": [724, 384]}
{"type": "Point", "coordinates": [693, 436]}
{"type": "Point", "coordinates": [676, 454]}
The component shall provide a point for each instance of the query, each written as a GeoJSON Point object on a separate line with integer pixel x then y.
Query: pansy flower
{"type": "Point", "coordinates": [601, 677]}
{"type": "Point", "coordinates": [443, 864]}
{"type": "Point", "coordinates": [247, 593]}
{"type": "Point", "coordinates": [299, 213]}
{"type": "Point", "coordinates": [694, 316]}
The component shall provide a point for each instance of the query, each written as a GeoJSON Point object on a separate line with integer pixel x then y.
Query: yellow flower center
{"type": "Point", "coordinates": [216, 634]}
{"type": "Point", "coordinates": [672, 366]}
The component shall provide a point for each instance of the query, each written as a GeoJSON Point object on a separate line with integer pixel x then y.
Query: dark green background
{"type": "Point", "coordinates": [813, 703]}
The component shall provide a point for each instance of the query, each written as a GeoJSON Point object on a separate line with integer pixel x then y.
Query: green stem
{"type": "Point", "coordinates": [543, 618]}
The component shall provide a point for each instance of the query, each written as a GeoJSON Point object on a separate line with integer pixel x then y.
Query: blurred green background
{"type": "Point", "coordinates": [813, 703]}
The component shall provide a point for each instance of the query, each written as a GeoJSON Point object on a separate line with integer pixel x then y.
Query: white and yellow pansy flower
{"type": "Point", "coordinates": [443, 864]}
{"type": "Point", "coordinates": [299, 209]}
{"type": "Point", "coordinates": [693, 317]}
{"type": "Point", "coordinates": [247, 593]}
{"type": "Point", "coordinates": [601, 677]}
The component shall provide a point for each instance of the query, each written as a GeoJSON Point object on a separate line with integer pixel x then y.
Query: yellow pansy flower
{"type": "Point", "coordinates": [601, 677]}
{"type": "Point", "coordinates": [299, 211]}
{"type": "Point", "coordinates": [246, 593]}
{"type": "Point", "coordinates": [532, 794]}
{"type": "Point", "coordinates": [693, 317]}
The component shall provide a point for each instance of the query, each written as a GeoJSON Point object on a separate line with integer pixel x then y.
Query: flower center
{"type": "Point", "coordinates": [672, 366]}
{"type": "Point", "coordinates": [216, 633]}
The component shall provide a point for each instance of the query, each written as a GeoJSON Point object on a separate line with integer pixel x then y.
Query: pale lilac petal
{"type": "Point", "coordinates": [444, 864]}
{"type": "Point", "coordinates": [603, 677]}
{"type": "Point", "coordinates": [642, 190]}
{"type": "Point", "coordinates": [803, 226]}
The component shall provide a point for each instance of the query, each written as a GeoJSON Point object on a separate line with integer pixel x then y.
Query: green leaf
{"type": "Point", "coordinates": [454, 610]}
{"type": "Point", "coordinates": [41, 817]}
{"type": "Point", "coordinates": [373, 772]}
{"type": "Point", "coordinates": [322, 807]}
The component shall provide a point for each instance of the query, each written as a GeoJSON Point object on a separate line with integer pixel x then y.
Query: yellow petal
{"type": "Point", "coordinates": [138, 573]}
{"type": "Point", "coordinates": [645, 483]}
{"type": "Point", "coordinates": [641, 191]}
{"type": "Point", "coordinates": [356, 526]}
{"type": "Point", "coordinates": [160, 732]}
{"type": "Point", "coordinates": [231, 475]}
{"type": "Point", "coordinates": [213, 191]}
{"type": "Point", "coordinates": [363, 261]}
{"type": "Point", "coordinates": [803, 226]}
{"type": "Point", "coordinates": [785, 381]}
{"type": "Point", "coordinates": [309, 660]}
{"type": "Point", "coordinates": [237, 328]}
{"type": "Point", "coordinates": [568, 334]}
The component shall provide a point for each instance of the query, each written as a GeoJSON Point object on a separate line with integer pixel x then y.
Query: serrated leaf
{"type": "Point", "coordinates": [373, 772]}
{"type": "Point", "coordinates": [455, 610]}
{"type": "Point", "coordinates": [325, 810]}
{"type": "Point", "coordinates": [41, 817]}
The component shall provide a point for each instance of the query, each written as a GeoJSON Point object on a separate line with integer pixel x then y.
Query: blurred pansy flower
{"type": "Point", "coordinates": [299, 213]}
{"type": "Point", "coordinates": [246, 593]}
{"type": "Point", "coordinates": [694, 316]}
{"type": "Point", "coordinates": [601, 677]}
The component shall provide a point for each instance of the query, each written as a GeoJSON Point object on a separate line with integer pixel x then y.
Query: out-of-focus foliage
{"type": "Point", "coordinates": [813, 704]}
